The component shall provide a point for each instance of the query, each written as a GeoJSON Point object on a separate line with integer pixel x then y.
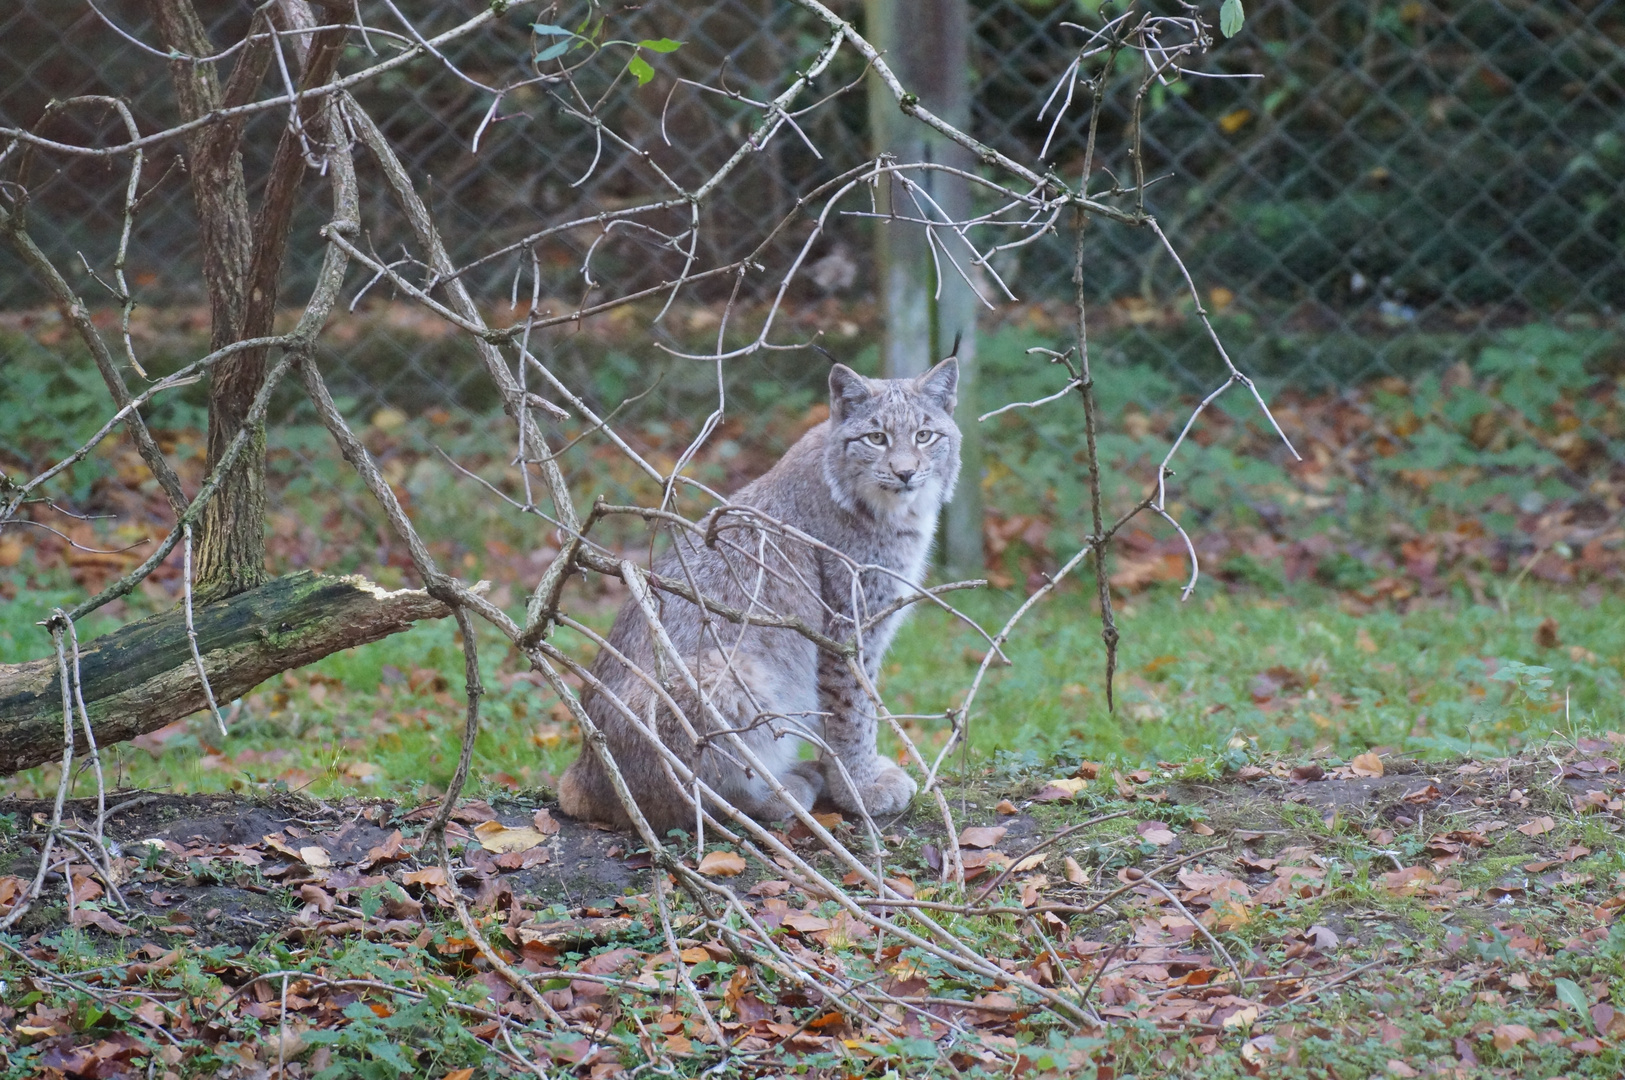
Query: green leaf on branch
{"type": "Point", "coordinates": [1231, 17]}
{"type": "Point", "coordinates": [639, 67]}
{"type": "Point", "coordinates": [549, 30]}
{"type": "Point", "coordinates": [558, 48]}
{"type": "Point", "coordinates": [663, 45]}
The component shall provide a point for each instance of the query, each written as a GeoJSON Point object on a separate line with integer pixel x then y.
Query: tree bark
{"type": "Point", "coordinates": [143, 676]}
{"type": "Point", "coordinates": [927, 42]}
{"type": "Point", "coordinates": [242, 263]}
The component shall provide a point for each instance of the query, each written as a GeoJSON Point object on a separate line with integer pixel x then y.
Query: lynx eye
{"type": "Point", "coordinates": [876, 438]}
{"type": "Point", "coordinates": [924, 437]}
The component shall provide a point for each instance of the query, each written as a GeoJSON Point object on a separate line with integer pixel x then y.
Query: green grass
{"type": "Point", "coordinates": [1417, 681]}
{"type": "Point", "coordinates": [387, 717]}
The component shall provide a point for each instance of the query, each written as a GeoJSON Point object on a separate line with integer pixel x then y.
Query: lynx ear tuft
{"type": "Point", "coordinates": [941, 384]}
{"type": "Point", "coordinates": [847, 390]}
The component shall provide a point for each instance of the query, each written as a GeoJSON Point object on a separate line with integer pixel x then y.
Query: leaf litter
{"type": "Point", "coordinates": [1232, 924]}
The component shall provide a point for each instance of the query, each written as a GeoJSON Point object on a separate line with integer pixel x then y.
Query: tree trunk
{"type": "Point", "coordinates": [143, 676]}
{"type": "Point", "coordinates": [927, 42]}
{"type": "Point", "coordinates": [241, 267]}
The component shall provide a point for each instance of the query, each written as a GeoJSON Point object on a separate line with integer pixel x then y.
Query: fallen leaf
{"type": "Point", "coordinates": [1546, 634]}
{"type": "Point", "coordinates": [1155, 832]}
{"type": "Point", "coordinates": [1537, 827]}
{"type": "Point", "coordinates": [696, 955]}
{"type": "Point", "coordinates": [390, 850]}
{"type": "Point", "coordinates": [982, 836]}
{"type": "Point", "coordinates": [1074, 872]}
{"type": "Point", "coordinates": [803, 923]}
{"type": "Point", "coordinates": [1031, 862]}
{"type": "Point", "coordinates": [1006, 807]}
{"type": "Point", "coordinates": [1507, 1036]}
{"type": "Point", "coordinates": [498, 839]}
{"type": "Point", "coordinates": [1322, 938]}
{"type": "Point", "coordinates": [314, 856]}
{"type": "Point", "coordinates": [101, 920]}
{"type": "Point", "coordinates": [1398, 1068]}
{"type": "Point", "coordinates": [1408, 881]}
{"type": "Point", "coordinates": [1366, 764]}
{"type": "Point", "coordinates": [721, 864]}
{"type": "Point", "coordinates": [545, 822]}
{"type": "Point", "coordinates": [1202, 828]}
{"type": "Point", "coordinates": [433, 875]}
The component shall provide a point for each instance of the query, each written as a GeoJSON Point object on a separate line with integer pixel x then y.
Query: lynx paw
{"type": "Point", "coordinates": [888, 790]}
{"type": "Point", "coordinates": [805, 782]}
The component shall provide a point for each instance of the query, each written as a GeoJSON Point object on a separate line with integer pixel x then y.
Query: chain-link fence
{"type": "Point", "coordinates": [1405, 179]}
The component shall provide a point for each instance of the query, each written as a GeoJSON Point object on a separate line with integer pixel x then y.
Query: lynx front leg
{"type": "Point", "coordinates": [849, 731]}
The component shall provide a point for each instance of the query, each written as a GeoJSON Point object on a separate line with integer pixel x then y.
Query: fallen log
{"type": "Point", "coordinates": [142, 676]}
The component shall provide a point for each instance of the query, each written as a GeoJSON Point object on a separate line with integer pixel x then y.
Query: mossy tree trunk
{"type": "Point", "coordinates": [143, 676]}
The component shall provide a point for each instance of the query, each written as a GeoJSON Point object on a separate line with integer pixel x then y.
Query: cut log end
{"type": "Point", "coordinates": [142, 676]}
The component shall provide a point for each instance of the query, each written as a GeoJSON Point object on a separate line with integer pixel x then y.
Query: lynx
{"type": "Point", "coordinates": [866, 484]}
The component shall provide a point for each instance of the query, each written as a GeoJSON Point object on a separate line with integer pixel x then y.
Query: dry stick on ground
{"type": "Point", "coordinates": [1040, 846]}
{"type": "Point", "coordinates": [1241, 981]}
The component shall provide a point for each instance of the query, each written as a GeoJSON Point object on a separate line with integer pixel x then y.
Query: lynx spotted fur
{"type": "Point", "coordinates": [868, 483]}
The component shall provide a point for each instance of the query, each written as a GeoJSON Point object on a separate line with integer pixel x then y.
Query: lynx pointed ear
{"type": "Point", "coordinates": [847, 390]}
{"type": "Point", "coordinates": [941, 384]}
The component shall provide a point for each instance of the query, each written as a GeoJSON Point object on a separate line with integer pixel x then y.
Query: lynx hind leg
{"type": "Point", "coordinates": [740, 692]}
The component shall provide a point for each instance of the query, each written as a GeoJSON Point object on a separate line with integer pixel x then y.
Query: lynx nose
{"type": "Point", "coordinates": [904, 475]}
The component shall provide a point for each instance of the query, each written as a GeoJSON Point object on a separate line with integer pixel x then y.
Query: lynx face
{"type": "Point", "coordinates": [893, 446]}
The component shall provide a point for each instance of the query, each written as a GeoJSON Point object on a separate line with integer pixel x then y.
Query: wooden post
{"type": "Point", "coordinates": [927, 43]}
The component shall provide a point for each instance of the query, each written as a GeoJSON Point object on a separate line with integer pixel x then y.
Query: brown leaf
{"type": "Point", "coordinates": [315, 856]}
{"type": "Point", "coordinates": [432, 875]}
{"type": "Point", "coordinates": [1398, 1068]}
{"type": "Point", "coordinates": [982, 836]}
{"type": "Point", "coordinates": [84, 916]}
{"type": "Point", "coordinates": [498, 839]}
{"type": "Point", "coordinates": [721, 864]}
{"type": "Point", "coordinates": [11, 887]}
{"type": "Point", "coordinates": [1155, 832]}
{"type": "Point", "coordinates": [1305, 773]}
{"type": "Point", "coordinates": [1006, 807]}
{"type": "Point", "coordinates": [1546, 634]}
{"type": "Point", "coordinates": [1202, 828]}
{"type": "Point", "coordinates": [1537, 827]}
{"type": "Point", "coordinates": [1409, 881]}
{"type": "Point", "coordinates": [1074, 872]}
{"type": "Point", "coordinates": [1367, 764]}
{"type": "Point", "coordinates": [389, 851]}
{"type": "Point", "coordinates": [545, 822]}
{"type": "Point", "coordinates": [1425, 794]}
{"type": "Point", "coordinates": [802, 923]}
{"type": "Point", "coordinates": [1507, 1036]}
